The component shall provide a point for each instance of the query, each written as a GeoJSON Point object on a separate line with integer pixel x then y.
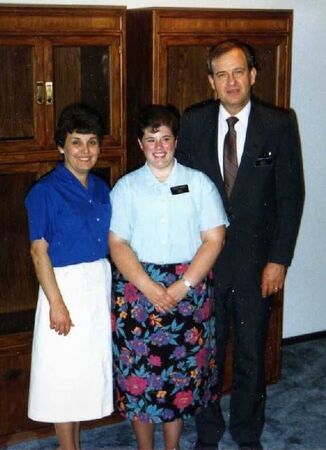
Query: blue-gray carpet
{"type": "Point", "coordinates": [295, 415]}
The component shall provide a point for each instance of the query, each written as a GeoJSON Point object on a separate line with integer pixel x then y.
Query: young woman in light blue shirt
{"type": "Point", "coordinates": [167, 229]}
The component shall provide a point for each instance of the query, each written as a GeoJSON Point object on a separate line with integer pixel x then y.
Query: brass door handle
{"type": "Point", "coordinates": [48, 93]}
{"type": "Point", "coordinates": [40, 92]}
{"type": "Point", "coordinates": [44, 94]}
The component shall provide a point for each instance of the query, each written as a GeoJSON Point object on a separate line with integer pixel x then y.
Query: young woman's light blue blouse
{"type": "Point", "coordinates": [160, 227]}
{"type": "Point", "coordinates": [74, 220]}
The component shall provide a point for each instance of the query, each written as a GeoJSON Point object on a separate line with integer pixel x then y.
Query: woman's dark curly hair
{"type": "Point", "coordinates": [79, 118]}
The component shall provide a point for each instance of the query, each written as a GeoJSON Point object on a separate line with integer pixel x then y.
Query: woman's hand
{"type": "Point", "coordinates": [159, 296]}
{"type": "Point", "coordinates": [127, 262]}
{"type": "Point", "coordinates": [60, 320]}
{"type": "Point", "coordinates": [178, 290]}
{"type": "Point", "coordinates": [59, 315]}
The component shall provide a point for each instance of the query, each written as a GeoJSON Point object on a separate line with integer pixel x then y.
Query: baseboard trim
{"type": "Point", "coordinates": [304, 337]}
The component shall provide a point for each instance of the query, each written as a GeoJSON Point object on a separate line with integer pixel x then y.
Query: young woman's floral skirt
{"type": "Point", "coordinates": [164, 363]}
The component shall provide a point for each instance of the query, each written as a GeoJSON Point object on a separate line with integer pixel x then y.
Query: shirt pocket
{"type": "Point", "coordinates": [183, 206]}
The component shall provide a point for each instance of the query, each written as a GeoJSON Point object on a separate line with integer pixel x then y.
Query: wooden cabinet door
{"type": "Point", "coordinates": [18, 285]}
{"type": "Point", "coordinates": [39, 77]}
{"type": "Point", "coordinates": [51, 57]}
{"type": "Point", "coordinates": [21, 91]}
{"type": "Point", "coordinates": [15, 355]}
{"type": "Point", "coordinates": [182, 38]}
{"type": "Point", "coordinates": [85, 70]}
{"type": "Point", "coordinates": [169, 47]}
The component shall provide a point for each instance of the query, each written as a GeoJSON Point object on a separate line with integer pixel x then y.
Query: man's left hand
{"type": "Point", "coordinates": [272, 279]}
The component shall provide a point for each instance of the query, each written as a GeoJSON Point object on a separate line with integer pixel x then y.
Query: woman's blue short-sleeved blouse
{"type": "Point", "coordinates": [74, 220]}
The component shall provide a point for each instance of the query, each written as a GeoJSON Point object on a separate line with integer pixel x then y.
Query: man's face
{"type": "Point", "coordinates": [232, 80]}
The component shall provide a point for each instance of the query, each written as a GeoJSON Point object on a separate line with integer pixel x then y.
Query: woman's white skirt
{"type": "Point", "coordinates": [71, 376]}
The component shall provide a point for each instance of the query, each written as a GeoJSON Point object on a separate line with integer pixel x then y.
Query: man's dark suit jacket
{"type": "Point", "coordinates": [265, 206]}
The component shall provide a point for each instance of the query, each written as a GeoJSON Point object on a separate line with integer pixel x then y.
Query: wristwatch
{"type": "Point", "coordinates": [186, 283]}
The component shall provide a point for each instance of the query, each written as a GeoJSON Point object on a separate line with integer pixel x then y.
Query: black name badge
{"type": "Point", "coordinates": [266, 159]}
{"type": "Point", "coordinates": [176, 190]}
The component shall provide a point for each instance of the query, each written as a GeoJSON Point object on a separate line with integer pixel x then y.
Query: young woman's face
{"type": "Point", "coordinates": [80, 153]}
{"type": "Point", "coordinates": [159, 148]}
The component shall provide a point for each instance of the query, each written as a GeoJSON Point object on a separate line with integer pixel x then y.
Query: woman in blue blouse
{"type": "Point", "coordinates": [167, 229]}
{"type": "Point", "coordinates": [69, 217]}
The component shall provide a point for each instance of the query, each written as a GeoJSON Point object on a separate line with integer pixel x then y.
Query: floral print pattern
{"type": "Point", "coordinates": [164, 362]}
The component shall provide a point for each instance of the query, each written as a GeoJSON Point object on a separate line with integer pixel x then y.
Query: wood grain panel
{"type": "Point", "coordinates": [186, 65]}
{"type": "Point", "coordinates": [14, 382]}
{"type": "Point", "coordinates": [67, 77]}
{"type": "Point", "coordinates": [16, 92]}
{"type": "Point", "coordinates": [209, 21]}
{"type": "Point", "coordinates": [18, 287]}
{"type": "Point", "coordinates": [70, 19]}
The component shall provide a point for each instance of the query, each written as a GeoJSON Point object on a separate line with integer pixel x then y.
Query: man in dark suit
{"type": "Point", "coordinates": [263, 199]}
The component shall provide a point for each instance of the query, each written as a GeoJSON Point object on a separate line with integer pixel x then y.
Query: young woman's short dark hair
{"type": "Point", "coordinates": [154, 116]}
{"type": "Point", "coordinates": [79, 118]}
{"type": "Point", "coordinates": [225, 46]}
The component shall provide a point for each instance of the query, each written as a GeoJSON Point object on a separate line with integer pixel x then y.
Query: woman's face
{"type": "Point", "coordinates": [80, 153]}
{"type": "Point", "coordinates": [159, 148]}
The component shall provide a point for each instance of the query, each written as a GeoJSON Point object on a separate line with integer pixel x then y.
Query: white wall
{"type": "Point", "coordinates": [305, 306]}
